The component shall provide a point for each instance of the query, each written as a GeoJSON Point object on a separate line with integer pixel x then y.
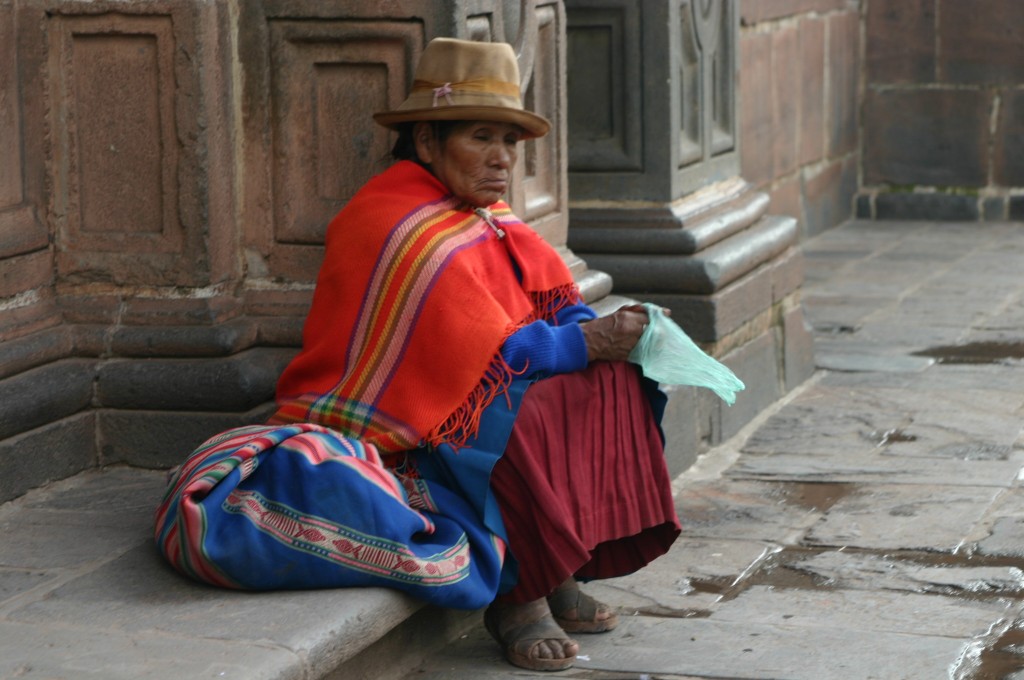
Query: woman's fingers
{"type": "Point", "coordinates": [641, 308]}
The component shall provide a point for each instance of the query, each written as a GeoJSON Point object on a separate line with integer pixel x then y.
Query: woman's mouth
{"type": "Point", "coordinates": [494, 184]}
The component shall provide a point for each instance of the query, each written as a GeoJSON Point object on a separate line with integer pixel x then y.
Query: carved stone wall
{"type": "Point", "coordinates": [25, 255]}
{"type": "Point", "coordinates": [652, 93]}
{"type": "Point", "coordinates": [169, 168]}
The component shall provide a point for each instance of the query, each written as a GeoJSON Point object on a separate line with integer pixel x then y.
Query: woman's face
{"type": "Point", "coordinates": [475, 160]}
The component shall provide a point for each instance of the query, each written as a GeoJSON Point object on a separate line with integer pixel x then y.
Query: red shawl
{"type": "Point", "coordinates": [414, 299]}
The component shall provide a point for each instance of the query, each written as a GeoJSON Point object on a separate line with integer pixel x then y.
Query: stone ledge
{"type": "Point", "coordinates": [83, 591]}
{"type": "Point", "coordinates": [683, 227]}
{"type": "Point", "coordinates": [45, 394]}
{"type": "Point", "coordinates": [705, 272]}
{"type": "Point", "coordinates": [239, 382]}
{"type": "Point", "coordinates": [69, 447]}
{"type": "Point", "coordinates": [162, 439]}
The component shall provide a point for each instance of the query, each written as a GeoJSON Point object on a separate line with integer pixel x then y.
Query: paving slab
{"type": "Point", "coordinates": [830, 420]}
{"type": "Point", "coordinates": [714, 649]}
{"type": "Point", "coordinates": [1005, 540]}
{"type": "Point", "coordinates": [17, 581]}
{"type": "Point", "coordinates": [1004, 537]}
{"type": "Point", "coordinates": [71, 526]}
{"type": "Point", "coordinates": [968, 434]}
{"type": "Point", "coordinates": [865, 610]}
{"type": "Point", "coordinates": [952, 377]}
{"type": "Point", "coordinates": [846, 310]}
{"type": "Point", "coordinates": [891, 330]}
{"type": "Point", "coordinates": [879, 468]}
{"type": "Point", "coordinates": [688, 581]}
{"type": "Point", "coordinates": [903, 517]}
{"type": "Point", "coordinates": [940, 309]}
{"type": "Point", "coordinates": [749, 510]}
{"type": "Point", "coordinates": [861, 363]}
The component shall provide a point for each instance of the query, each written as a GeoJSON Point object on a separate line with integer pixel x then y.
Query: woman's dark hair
{"type": "Point", "coordinates": [405, 146]}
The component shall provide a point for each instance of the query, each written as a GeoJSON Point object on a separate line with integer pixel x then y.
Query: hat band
{"type": "Point", "coordinates": [489, 85]}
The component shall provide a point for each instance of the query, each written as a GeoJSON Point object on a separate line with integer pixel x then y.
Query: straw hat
{"type": "Point", "coordinates": [466, 80]}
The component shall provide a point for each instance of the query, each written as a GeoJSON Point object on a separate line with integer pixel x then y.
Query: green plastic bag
{"type": "Point", "coordinates": [668, 355]}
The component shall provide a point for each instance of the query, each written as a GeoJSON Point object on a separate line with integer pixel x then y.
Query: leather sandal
{"type": "Point", "coordinates": [519, 641]}
{"type": "Point", "coordinates": [568, 598]}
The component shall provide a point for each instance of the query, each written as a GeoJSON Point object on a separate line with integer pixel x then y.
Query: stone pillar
{"type": "Point", "coordinates": [657, 202]}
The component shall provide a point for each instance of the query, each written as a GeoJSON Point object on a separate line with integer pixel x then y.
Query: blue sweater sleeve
{"type": "Point", "coordinates": [547, 348]}
{"type": "Point", "coordinates": [574, 314]}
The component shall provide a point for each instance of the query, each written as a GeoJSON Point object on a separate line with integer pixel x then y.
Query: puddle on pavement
{"type": "Point", "coordinates": [820, 496]}
{"type": "Point", "coordinates": [783, 570]}
{"type": "Point", "coordinates": [715, 586]}
{"type": "Point", "coordinates": [778, 572]}
{"type": "Point", "coordinates": [670, 612]}
{"type": "Point", "coordinates": [976, 353]}
{"type": "Point", "coordinates": [1002, 659]}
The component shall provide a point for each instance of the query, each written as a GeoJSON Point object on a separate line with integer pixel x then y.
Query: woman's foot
{"type": "Point", "coordinates": [529, 637]}
{"type": "Point", "coordinates": [577, 612]}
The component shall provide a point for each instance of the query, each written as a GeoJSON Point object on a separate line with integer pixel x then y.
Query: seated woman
{"type": "Point", "coordinates": [450, 337]}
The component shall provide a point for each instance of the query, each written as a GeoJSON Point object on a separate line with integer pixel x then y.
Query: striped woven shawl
{"type": "Point", "coordinates": [414, 299]}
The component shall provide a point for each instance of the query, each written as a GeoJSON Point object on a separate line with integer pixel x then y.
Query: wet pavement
{"type": "Point", "coordinates": [870, 524]}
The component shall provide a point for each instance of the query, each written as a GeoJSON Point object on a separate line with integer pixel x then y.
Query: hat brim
{"type": "Point", "coordinates": [532, 124]}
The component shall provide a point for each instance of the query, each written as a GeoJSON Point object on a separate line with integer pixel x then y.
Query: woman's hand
{"type": "Point", "coordinates": [612, 337]}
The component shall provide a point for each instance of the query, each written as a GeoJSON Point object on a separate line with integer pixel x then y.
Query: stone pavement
{"type": "Point", "coordinates": [870, 525]}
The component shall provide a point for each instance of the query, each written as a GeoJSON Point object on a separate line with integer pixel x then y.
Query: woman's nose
{"type": "Point", "coordinates": [502, 157]}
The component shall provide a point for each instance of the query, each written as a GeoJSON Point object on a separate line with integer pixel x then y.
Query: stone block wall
{"type": "Point", "coordinates": [799, 76]}
{"type": "Point", "coordinates": [943, 110]}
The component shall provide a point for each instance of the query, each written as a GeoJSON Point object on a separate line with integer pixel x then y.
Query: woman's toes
{"type": "Point", "coordinates": [557, 649]}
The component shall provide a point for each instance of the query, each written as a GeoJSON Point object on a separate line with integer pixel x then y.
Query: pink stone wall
{"type": "Point", "coordinates": [27, 300]}
{"type": "Point", "coordinates": [896, 109]}
{"type": "Point", "coordinates": [943, 109]}
{"type": "Point", "coordinates": [799, 72]}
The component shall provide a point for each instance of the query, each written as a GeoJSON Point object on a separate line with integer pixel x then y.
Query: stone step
{"type": "Point", "coordinates": [84, 592]}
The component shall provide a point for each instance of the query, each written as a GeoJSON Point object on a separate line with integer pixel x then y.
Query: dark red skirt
{"type": "Point", "coordinates": [583, 486]}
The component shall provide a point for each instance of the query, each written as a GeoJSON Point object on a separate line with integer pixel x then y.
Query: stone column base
{"type": "Point", "coordinates": [730, 274]}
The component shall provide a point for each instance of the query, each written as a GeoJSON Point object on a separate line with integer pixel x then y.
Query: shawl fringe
{"type": "Point", "coordinates": [549, 302]}
{"type": "Point", "coordinates": [464, 423]}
